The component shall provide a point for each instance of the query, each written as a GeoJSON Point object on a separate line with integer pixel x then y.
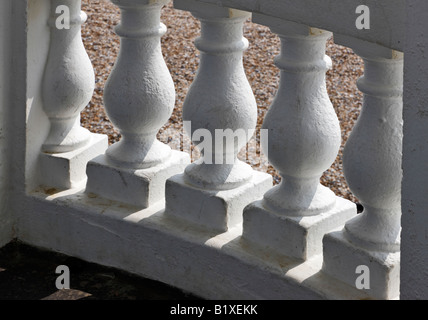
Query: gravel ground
{"type": "Point", "coordinates": [182, 59]}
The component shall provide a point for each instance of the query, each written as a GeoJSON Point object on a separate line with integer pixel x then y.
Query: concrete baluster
{"type": "Point", "coordinates": [304, 139]}
{"type": "Point", "coordinates": [221, 113]}
{"type": "Point", "coordinates": [67, 87]}
{"type": "Point", "coordinates": [139, 98]}
{"type": "Point", "coordinates": [372, 167]}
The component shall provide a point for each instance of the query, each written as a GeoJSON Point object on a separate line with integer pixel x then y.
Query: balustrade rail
{"type": "Point", "coordinates": [294, 240]}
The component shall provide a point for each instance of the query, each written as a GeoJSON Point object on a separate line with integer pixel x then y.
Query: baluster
{"type": "Point", "coordinates": [139, 98]}
{"type": "Point", "coordinates": [68, 85]}
{"type": "Point", "coordinates": [304, 139]}
{"type": "Point", "coordinates": [221, 113]}
{"type": "Point", "coordinates": [372, 167]}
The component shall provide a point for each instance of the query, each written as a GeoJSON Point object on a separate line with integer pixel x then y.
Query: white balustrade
{"type": "Point", "coordinates": [312, 242]}
{"type": "Point", "coordinates": [304, 139]}
{"type": "Point", "coordinates": [139, 98]}
{"type": "Point", "coordinates": [222, 112]}
{"type": "Point", "coordinates": [372, 167]}
{"type": "Point", "coordinates": [67, 87]}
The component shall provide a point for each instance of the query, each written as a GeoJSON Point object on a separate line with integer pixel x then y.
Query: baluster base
{"type": "Point", "coordinates": [341, 259]}
{"type": "Point", "coordinates": [295, 237]}
{"type": "Point", "coordinates": [213, 210]}
{"type": "Point", "coordinates": [67, 170]}
{"type": "Point", "coordinates": [137, 187]}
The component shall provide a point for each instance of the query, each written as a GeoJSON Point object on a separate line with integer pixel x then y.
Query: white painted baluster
{"type": "Point", "coordinates": [304, 139]}
{"type": "Point", "coordinates": [139, 98]}
{"type": "Point", "coordinates": [68, 84]}
{"type": "Point", "coordinates": [221, 113]}
{"type": "Point", "coordinates": [372, 166]}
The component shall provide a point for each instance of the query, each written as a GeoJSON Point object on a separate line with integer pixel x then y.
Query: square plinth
{"type": "Point", "coordinates": [378, 273]}
{"type": "Point", "coordinates": [213, 210]}
{"type": "Point", "coordinates": [140, 188]}
{"type": "Point", "coordinates": [295, 237]}
{"type": "Point", "coordinates": [68, 169]}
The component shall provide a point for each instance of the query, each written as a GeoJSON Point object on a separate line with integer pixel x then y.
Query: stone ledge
{"type": "Point", "coordinates": [388, 17]}
{"type": "Point", "coordinates": [144, 242]}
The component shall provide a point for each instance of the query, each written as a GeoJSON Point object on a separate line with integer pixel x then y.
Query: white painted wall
{"type": "Point", "coordinates": [37, 121]}
{"type": "Point", "coordinates": [414, 237]}
{"type": "Point", "coordinates": [20, 78]}
{"type": "Point", "coordinates": [5, 59]}
{"type": "Point", "coordinates": [12, 111]}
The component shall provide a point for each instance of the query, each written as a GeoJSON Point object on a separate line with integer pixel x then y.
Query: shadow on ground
{"type": "Point", "coordinates": [28, 273]}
